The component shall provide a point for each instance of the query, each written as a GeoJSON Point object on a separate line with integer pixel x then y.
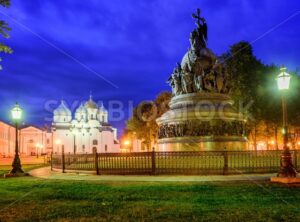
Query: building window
{"type": "Point", "coordinates": [48, 141]}
{"type": "Point", "coordinates": [102, 118]}
{"type": "Point", "coordinates": [105, 147]}
{"type": "Point", "coordinates": [83, 148]}
{"type": "Point", "coordinates": [95, 142]}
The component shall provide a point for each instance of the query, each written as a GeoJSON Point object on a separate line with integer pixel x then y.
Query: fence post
{"type": "Point", "coordinates": [225, 168]}
{"type": "Point", "coordinates": [96, 163]}
{"type": "Point", "coordinates": [51, 159]}
{"type": "Point", "coordinates": [153, 171]}
{"type": "Point", "coordinates": [295, 159]}
{"type": "Point", "coordinates": [63, 159]}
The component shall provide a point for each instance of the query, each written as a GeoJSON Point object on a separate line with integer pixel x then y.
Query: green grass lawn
{"type": "Point", "coordinates": [31, 199]}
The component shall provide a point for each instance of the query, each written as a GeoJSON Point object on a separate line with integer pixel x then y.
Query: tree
{"type": "Point", "coordinates": [143, 121]}
{"type": "Point", "coordinates": [245, 71]}
{"type": "Point", "coordinates": [253, 83]}
{"type": "Point", "coordinates": [4, 29]}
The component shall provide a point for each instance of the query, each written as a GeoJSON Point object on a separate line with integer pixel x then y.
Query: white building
{"type": "Point", "coordinates": [32, 140]}
{"type": "Point", "coordinates": [7, 139]}
{"type": "Point", "coordinates": [85, 132]}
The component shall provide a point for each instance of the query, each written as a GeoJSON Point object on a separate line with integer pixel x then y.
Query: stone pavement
{"type": "Point", "coordinates": [46, 173]}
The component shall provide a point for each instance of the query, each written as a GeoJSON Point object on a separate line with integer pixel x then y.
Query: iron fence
{"type": "Point", "coordinates": [185, 163]}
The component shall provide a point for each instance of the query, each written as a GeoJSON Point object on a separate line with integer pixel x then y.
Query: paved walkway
{"type": "Point", "coordinates": [46, 173]}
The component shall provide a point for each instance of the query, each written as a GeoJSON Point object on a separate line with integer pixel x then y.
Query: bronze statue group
{"type": "Point", "coordinates": [199, 70]}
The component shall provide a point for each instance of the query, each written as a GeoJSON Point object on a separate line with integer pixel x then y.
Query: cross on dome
{"type": "Point", "coordinates": [91, 104]}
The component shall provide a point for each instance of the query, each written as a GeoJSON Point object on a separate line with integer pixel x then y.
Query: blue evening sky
{"type": "Point", "coordinates": [124, 50]}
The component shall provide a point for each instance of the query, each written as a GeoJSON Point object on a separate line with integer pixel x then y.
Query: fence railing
{"type": "Point", "coordinates": [186, 163]}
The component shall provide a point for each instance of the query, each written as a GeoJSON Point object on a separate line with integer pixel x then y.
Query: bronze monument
{"type": "Point", "coordinates": [201, 115]}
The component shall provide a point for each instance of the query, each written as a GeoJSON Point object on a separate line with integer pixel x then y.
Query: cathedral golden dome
{"type": "Point", "coordinates": [90, 104]}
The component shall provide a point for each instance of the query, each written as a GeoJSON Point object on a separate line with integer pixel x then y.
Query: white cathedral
{"type": "Point", "coordinates": [88, 132]}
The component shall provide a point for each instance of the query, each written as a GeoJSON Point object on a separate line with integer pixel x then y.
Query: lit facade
{"type": "Point", "coordinates": [35, 141]}
{"type": "Point", "coordinates": [7, 139]}
{"type": "Point", "coordinates": [32, 140]}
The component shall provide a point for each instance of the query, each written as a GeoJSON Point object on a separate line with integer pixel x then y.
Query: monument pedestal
{"type": "Point", "coordinates": [201, 122]}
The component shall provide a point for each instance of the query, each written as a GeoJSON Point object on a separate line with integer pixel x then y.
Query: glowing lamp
{"type": "Point", "coordinates": [126, 142]}
{"type": "Point", "coordinates": [272, 142]}
{"type": "Point", "coordinates": [283, 79]}
{"type": "Point", "coordinates": [16, 112]}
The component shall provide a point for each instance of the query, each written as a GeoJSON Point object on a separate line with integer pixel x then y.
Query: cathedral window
{"type": "Point", "coordinates": [95, 142]}
{"type": "Point", "coordinates": [105, 147]}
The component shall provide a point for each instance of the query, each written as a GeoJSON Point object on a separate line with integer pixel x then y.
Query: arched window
{"type": "Point", "coordinates": [95, 142]}
{"type": "Point", "coordinates": [105, 147]}
{"type": "Point", "coordinates": [102, 118]}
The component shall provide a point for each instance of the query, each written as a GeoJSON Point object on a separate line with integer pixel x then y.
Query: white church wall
{"type": "Point", "coordinates": [87, 128]}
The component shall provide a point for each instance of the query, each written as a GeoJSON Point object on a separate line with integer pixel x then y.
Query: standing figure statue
{"type": "Point", "coordinates": [210, 81]}
{"type": "Point", "coordinates": [175, 80]}
{"type": "Point", "coordinates": [187, 80]}
{"type": "Point", "coordinates": [198, 81]}
{"type": "Point", "coordinates": [198, 37]}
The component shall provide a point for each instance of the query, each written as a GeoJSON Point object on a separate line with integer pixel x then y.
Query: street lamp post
{"type": "Point", "coordinates": [287, 169]}
{"type": "Point", "coordinates": [73, 130]}
{"type": "Point", "coordinates": [16, 114]}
